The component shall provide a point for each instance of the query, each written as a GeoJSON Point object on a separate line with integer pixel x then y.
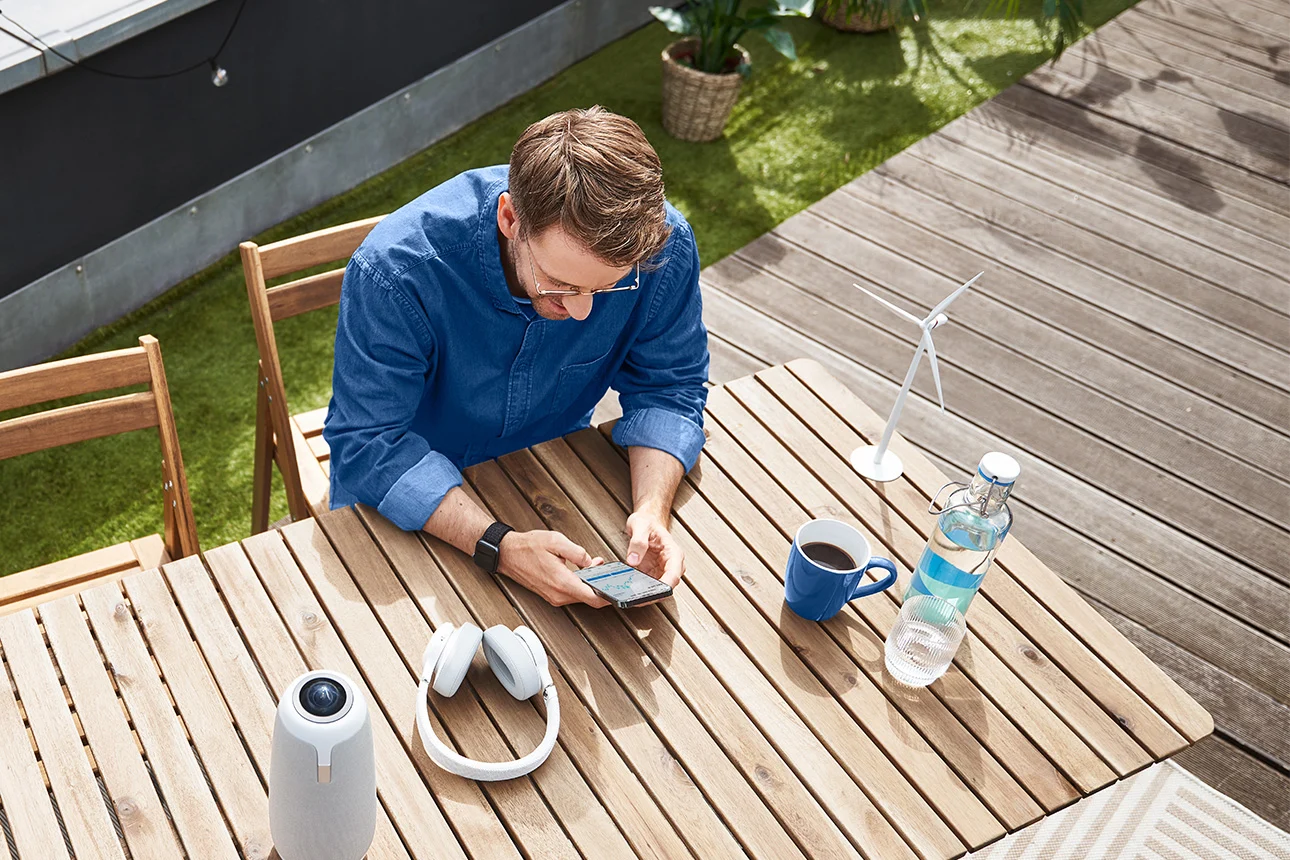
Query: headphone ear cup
{"type": "Point", "coordinates": [512, 662]}
{"type": "Point", "coordinates": [455, 659]}
{"type": "Point", "coordinates": [536, 648]}
{"type": "Point", "coordinates": [434, 650]}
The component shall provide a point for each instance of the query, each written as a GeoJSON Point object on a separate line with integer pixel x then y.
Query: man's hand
{"type": "Point", "coordinates": [536, 560]}
{"type": "Point", "coordinates": [652, 549]}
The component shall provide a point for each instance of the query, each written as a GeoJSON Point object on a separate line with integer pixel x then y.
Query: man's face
{"type": "Point", "coordinates": [551, 260]}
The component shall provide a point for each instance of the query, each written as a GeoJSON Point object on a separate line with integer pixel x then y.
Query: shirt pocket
{"type": "Point", "coordinates": [573, 384]}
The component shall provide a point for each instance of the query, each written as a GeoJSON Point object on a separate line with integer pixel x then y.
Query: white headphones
{"type": "Point", "coordinates": [518, 660]}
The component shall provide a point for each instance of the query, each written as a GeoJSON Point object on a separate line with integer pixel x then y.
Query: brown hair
{"type": "Point", "coordinates": [593, 173]}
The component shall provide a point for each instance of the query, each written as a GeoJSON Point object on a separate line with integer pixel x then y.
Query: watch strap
{"type": "Point", "coordinates": [488, 549]}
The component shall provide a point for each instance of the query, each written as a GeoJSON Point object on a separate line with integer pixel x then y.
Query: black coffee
{"type": "Point", "coordinates": [828, 555]}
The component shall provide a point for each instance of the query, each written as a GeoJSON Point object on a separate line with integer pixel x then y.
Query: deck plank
{"type": "Point", "coordinates": [1193, 392]}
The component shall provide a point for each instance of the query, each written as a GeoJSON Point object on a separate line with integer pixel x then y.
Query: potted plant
{"type": "Point", "coordinates": [703, 71]}
{"type": "Point", "coordinates": [868, 16]}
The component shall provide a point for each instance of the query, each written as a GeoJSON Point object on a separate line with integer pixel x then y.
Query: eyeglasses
{"type": "Point", "coordinates": [542, 292]}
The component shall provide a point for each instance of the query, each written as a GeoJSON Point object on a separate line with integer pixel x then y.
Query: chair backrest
{"type": "Point", "coordinates": [109, 416]}
{"type": "Point", "coordinates": [301, 295]}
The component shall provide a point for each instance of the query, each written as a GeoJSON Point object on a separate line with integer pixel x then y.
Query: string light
{"type": "Point", "coordinates": [219, 75]}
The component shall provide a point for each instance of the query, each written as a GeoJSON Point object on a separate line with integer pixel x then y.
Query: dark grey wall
{"type": "Point", "coordinates": [85, 158]}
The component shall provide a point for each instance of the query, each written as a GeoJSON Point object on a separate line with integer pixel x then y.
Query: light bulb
{"type": "Point", "coordinates": [219, 75]}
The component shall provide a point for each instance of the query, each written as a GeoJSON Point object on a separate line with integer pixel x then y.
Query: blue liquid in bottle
{"type": "Point", "coordinates": [969, 531]}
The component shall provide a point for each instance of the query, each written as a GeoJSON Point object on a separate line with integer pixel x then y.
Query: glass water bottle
{"type": "Point", "coordinates": [969, 529]}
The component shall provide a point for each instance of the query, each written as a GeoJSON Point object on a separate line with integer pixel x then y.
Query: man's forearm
{"type": "Point", "coordinates": [459, 521]}
{"type": "Point", "coordinates": [655, 476]}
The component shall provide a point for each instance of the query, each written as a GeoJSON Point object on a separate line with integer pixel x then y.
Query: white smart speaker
{"type": "Point", "coordinates": [322, 776]}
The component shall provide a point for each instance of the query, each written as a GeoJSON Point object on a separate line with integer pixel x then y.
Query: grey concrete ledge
{"type": "Point", "coordinates": [55, 311]}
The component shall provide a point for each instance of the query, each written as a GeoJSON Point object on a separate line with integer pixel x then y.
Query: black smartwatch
{"type": "Point", "coordinates": [488, 549]}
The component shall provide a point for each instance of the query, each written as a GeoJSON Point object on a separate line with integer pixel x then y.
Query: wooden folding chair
{"type": "Point", "coordinates": [109, 416]}
{"type": "Point", "coordinates": [294, 442]}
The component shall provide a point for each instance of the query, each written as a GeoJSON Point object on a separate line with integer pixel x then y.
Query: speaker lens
{"type": "Point", "coordinates": [322, 697]}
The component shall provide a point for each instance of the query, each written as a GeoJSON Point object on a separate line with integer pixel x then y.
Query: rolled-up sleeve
{"type": "Point", "coordinates": [385, 352]}
{"type": "Point", "coordinates": [661, 383]}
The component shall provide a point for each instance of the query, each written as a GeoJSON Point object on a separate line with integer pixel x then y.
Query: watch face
{"type": "Point", "coordinates": [486, 556]}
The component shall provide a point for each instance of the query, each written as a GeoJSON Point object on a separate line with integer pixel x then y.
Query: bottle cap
{"type": "Point", "coordinates": [997, 467]}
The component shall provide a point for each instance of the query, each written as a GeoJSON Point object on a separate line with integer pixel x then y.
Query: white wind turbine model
{"type": "Point", "coordinates": [875, 461]}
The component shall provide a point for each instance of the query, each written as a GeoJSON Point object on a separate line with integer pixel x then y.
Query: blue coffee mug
{"type": "Point", "coordinates": [816, 591]}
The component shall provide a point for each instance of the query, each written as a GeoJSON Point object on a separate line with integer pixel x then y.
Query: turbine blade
{"type": "Point", "coordinates": [936, 371]}
{"type": "Point", "coordinates": [945, 302]}
{"type": "Point", "coordinates": [901, 311]}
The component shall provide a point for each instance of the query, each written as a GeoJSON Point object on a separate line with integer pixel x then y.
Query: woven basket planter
{"type": "Point", "coordinates": [697, 104]}
{"type": "Point", "coordinates": [835, 15]}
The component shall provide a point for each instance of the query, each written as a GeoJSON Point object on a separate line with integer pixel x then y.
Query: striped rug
{"type": "Point", "coordinates": [1162, 813]}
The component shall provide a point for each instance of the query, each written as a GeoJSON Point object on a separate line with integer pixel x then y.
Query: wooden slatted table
{"type": "Point", "coordinates": [715, 724]}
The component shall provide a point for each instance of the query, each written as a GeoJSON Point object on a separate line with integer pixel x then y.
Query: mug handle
{"type": "Point", "coordinates": [882, 585]}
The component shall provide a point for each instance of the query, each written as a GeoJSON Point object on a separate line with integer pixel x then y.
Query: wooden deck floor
{"type": "Point", "coordinates": [1130, 341]}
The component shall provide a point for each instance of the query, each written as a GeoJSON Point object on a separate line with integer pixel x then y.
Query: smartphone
{"type": "Point", "coordinates": [623, 585]}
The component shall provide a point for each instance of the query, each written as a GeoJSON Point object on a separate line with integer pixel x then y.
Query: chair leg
{"type": "Point", "coordinates": [262, 483]}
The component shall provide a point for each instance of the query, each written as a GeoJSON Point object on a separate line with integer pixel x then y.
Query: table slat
{"type": "Point", "coordinates": [769, 518]}
{"type": "Point", "coordinates": [753, 818]}
{"type": "Point", "coordinates": [1083, 666]}
{"type": "Point", "coordinates": [688, 772]}
{"type": "Point", "coordinates": [401, 631]}
{"type": "Point", "coordinates": [1193, 721]}
{"type": "Point", "coordinates": [1025, 699]}
{"type": "Point", "coordinates": [148, 831]}
{"type": "Point", "coordinates": [89, 827]}
{"type": "Point", "coordinates": [241, 795]}
{"type": "Point", "coordinates": [27, 803]}
{"type": "Point", "coordinates": [183, 786]}
{"type": "Point", "coordinates": [414, 812]}
{"type": "Point", "coordinates": [1052, 675]}
{"type": "Point", "coordinates": [624, 792]}
{"type": "Point", "coordinates": [593, 519]}
{"type": "Point", "coordinates": [243, 677]}
{"type": "Point", "coordinates": [715, 503]}
{"type": "Point", "coordinates": [421, 584]}
{"type": "Point", "coordinates": [696, 523]}
{"type": "Point", "coordinates": [799, 799]}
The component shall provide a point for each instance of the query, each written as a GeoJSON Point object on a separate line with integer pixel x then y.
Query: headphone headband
{"type": "Point", "coordinates": [453, 762]}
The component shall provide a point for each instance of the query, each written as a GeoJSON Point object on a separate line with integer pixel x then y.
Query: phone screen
{"type": "Point", "coordinates": [624, 585]}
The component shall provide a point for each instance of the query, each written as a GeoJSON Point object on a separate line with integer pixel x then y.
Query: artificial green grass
{"type": "Point", "coordinates": [800, 130]}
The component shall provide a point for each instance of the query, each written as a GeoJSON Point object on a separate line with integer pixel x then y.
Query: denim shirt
{"type": "Point", "coordinates": [438, 367]}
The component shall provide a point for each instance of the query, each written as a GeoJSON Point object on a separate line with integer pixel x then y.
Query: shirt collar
{"type": "Point", "coordinates": [490, 252]}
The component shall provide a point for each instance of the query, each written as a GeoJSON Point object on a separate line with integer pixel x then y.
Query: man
{"type": "Point", "coordinates": [492, 313]}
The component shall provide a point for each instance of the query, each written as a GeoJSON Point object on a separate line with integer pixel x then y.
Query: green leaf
{"type": "Point", "coordinates": [681, 24]}
{"type": "Point", "coordinates": [781, 41]}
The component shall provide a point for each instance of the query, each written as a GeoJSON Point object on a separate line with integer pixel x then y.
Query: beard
{"type": "Point", "coordinates": [547, 307]}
